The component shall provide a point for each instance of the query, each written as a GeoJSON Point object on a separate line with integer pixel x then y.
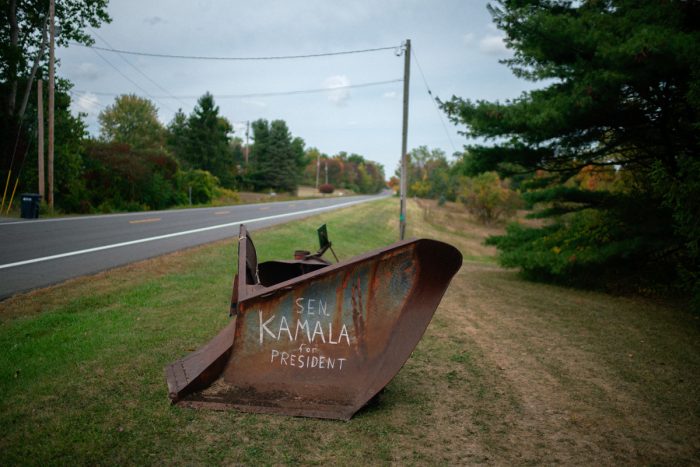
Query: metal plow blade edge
{"type": "Point", "coordinates": [314, 339]}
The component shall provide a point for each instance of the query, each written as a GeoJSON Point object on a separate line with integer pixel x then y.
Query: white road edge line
{"type": "Point", "coordinates": [137, 214]}
{"type": "Point", "coordinates": [175, 234]}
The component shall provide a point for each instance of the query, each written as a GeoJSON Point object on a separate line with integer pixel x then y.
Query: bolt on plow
{"type": "Point", "coordinates": [313, 338]}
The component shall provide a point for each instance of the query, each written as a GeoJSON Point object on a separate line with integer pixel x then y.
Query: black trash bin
{"type": "Point", "coordinates": [30, 205]}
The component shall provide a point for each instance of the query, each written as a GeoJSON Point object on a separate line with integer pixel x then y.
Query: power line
{"type": "Point", "coordinates": [264, 94]}
{"type": "Point", "coordinates": [127, 78]}
{"type": "Point", "coordinates": [201, 57]}
{"type": "Point", "coordinates": [432, 98]}
{"type": "Point", "coordinates": [86, 96]}
{"type": "Point", "coordinates": [137, 69]}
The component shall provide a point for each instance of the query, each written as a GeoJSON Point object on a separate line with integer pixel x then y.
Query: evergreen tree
{"type": "Point", "coordinates": [176, 138]}
{"type": "Point", "coordinates": [277, 159]}
{"type": "Point", "coordinates": [622, 90]}
{"type": "Point", "coordinates": [207, 142]}
{"type": "Point", "coordinates": [299, 153]}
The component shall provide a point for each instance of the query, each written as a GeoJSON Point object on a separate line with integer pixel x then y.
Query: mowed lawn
{"type": "Point", "coordinates": [508, 372]}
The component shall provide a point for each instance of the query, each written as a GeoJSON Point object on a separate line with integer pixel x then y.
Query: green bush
{"type": "Point", "coordinates": [202, 183]}
{"type": "Point", "coordinates": [488, 198]}
{"type": "Point", "coordinates": [225, 196]}
{"type": "Point", "coordinates": [622, 244]}
{"type": "Point", "coordinates": [119, 178]}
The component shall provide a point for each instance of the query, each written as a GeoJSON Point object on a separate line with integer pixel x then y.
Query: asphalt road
{"type": "Point", "coordinates": [41, 252]}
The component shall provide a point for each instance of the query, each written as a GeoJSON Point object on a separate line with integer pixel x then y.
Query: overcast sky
{"type": "Point", "coordinates": [454, 41]}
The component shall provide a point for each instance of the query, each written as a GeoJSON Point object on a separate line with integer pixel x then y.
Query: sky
{"type": "Point", "coordinates": [455, 45]}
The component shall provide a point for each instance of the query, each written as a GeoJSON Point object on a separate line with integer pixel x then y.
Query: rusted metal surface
{"type": "Point", "coordinates": [313, 339]}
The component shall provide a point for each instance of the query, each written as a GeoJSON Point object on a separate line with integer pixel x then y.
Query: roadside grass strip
{"type": "Point", "coordinates": [508, 372]}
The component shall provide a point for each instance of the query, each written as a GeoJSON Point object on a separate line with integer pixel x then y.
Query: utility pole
{"type": "Point", "coordinates": [318, 167]}
{"type": "Point", "coordinates": [326, 172]}
{"type": "Point", "coordinates": [404, 135]}
{"type": "Point", "coordinates": [51, 102]}
{"type": "Point", "coordinates": [40, 136]}
{"type": "Point", "coordinates": [247, 148]}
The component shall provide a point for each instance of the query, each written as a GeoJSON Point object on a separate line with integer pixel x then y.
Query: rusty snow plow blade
{"type": "Point", "coordinates": [315, 339]}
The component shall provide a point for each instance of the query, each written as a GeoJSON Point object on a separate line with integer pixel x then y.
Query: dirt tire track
{"type": "Point", "coordinates": [573, 406]}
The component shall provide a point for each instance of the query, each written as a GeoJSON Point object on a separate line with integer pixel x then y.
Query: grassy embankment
{"type": "Point", "coordinates": [507, 372]}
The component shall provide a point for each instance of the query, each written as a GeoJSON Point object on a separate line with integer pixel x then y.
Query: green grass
{"type": "Point", "coordinates": [508, 372]}
{"type": "Point", "coordinates": [82, 380]}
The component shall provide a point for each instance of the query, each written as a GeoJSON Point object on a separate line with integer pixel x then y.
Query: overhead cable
{"type": "Point", "coordinates": [136, 68]}
{"type": "Point", "coordinates": [264, 94]}
{"type": "Point", "coordinates": [434, 99]}
{"type": "Point", "coordinates": [87, 96]}
{"type": "Point", "coordinates": [201, 57]}
{"type": "Point", "coordinates": [127, 78]}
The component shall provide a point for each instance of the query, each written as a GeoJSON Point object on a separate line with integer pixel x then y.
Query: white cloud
{"type": "Point", "coordinates": [390, 95]}
{"type": "Point", "coordinates": [87, 102]}
{"type": "Point", "coordinates": [336, 93]}
{"type": "Point", "coordinates": [88, 71]}
{"type": "Point", "coordinates": [493, 45]}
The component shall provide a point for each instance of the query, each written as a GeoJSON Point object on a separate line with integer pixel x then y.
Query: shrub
{"type": "Point", "coordinates": [421, 189]}
{"type": "Point", "coordinates": [621, 244]}
{"type": "Point", "coordinates": [224, 196]}
{"type": "Point", "coordinates": [326, 188]}
{"type": "Point", "coordinates": [202, 183]}
{"type": "Point", "coordinates": [488, 198]}
{"type": "Point", "coordinates": [119, 178]}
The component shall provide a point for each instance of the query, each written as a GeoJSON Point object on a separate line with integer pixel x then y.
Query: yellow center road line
{"type": "Point", "coordinates": [143, 221]}
{"type": "Point", "coordinates": [221, 213]}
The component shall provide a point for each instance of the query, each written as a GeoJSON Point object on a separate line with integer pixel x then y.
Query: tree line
{"type": "Point", "coordinates": [136, 162]}
{"type": "Point", "coordinates": [346, 171]}
{"type": "Point", "coordinates": [487, 196]}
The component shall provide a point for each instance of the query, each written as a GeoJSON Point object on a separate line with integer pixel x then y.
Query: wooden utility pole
{"type": "Point", "coordinates": [247, 148]}
{"type": "Point", "coordinates": [51, 103]}
{"type": "Point", "coordinates": [318, 167]}
{"type": "Point", "coordinates": [404, 135]}
{"type": "Point", "coordinates": [326, 172]}
{"type": "Point", "coordinates": [40, 135]}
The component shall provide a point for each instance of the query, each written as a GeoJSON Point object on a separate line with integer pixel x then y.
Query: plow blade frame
{"type": "Point", "coordinates": [316, 340]}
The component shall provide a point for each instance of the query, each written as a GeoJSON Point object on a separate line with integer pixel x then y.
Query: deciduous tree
{"type": "Point", "coordinates": [24, 29]}
{"type": "Point", "coordinates": [132, 120]}
{"type": "Point", "coordinates": [24, 41]}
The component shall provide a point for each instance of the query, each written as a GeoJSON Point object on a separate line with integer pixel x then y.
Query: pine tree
{"type": "Point", "coordinates": [622, 91]}
{"type": "Point", "coordinates": [276, 158]}
{"type": "Point", "coordinates": [207, 143]}
{"type": "Point", "coordinates": [176, 138]}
